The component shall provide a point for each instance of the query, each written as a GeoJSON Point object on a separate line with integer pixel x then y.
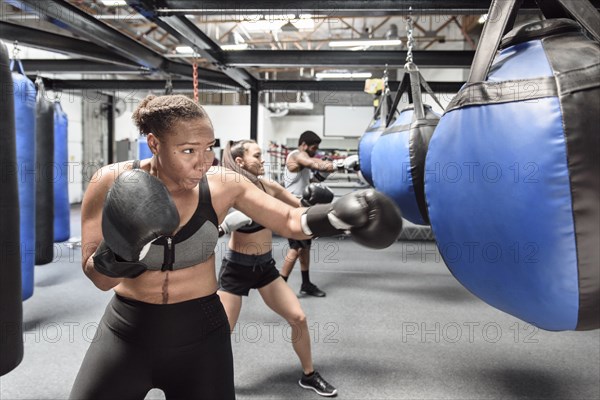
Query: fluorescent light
{"type": "Point", "coordinates": [114, 3]}
{"type": "Point", "coordinates": [365, 43]}
{"type": "Point", "coordinates": [239, 46]}
{"type": "Point", "coordinates": [184, 50]}
{"type": "Point", "coordinates": [342, 75]}
{"type": "Point", "coordinates": [483, 18]}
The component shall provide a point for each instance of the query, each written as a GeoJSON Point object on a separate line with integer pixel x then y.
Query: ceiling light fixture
{"type": "Point", "coordinates": [343, 75]}
{"type": "Point", "coordinates": [237, 46]}
{"type": "Point", "coordinates": [114, 3]}
{"type": "Point", "coordinates": [365, 43]}
{"type": "Point", "coordinates": [184, 50]}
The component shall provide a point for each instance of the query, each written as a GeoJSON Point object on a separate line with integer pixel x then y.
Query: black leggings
{"type": "Point", "coordinates": [183, 349]}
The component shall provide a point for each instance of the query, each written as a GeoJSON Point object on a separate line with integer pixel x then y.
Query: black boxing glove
{"type": "Point", "coordinates": [110, 264]}
{"type": "Point", "coordinates": [315, 193]}
{"type": "Point", "coordinates": [138, 209]}
{"type": "Point", "coordinates": [320, 175]}
{"type": "Point", "coordinates": [372, 218]}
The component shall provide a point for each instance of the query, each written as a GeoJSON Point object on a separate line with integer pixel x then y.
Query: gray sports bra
{"type": "Point", "coordinates": [193, 244]}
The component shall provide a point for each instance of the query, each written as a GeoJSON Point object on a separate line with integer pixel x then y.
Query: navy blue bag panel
{"type": "Point", "coordinates": [24, 102]}
{"type": "Point", "coordinates": [62, 225]}
{"type": "Point", "coordinates": [365, 148]}
{"type": "Point", "coordinates": [512, 179]}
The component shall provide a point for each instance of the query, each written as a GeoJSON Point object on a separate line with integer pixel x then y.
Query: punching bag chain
{"type": "Point", "coordinates": [410, 41]}
{"type": "Point", "coordinates": [16, 50]}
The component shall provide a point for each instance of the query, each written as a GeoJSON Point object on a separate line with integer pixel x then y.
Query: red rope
{"type": "Point", "coordinates": [195, 81]}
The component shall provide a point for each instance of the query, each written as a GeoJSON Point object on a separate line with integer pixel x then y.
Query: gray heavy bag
{"type": "Point", "coordinates": [515, 200]}
{"type": "Point", "coordinates": [11, 305]}
{"type": "Point", "coordinates": [47, 174]}
{"type": "Point", "coordinates": [398, 156]}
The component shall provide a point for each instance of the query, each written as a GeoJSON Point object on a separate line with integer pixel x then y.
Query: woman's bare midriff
{"type": "Point", "coordinates": [170, 287]}
{"type": "Point", "coordinates": [252, 243]}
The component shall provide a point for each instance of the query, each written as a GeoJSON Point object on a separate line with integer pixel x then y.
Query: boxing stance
{"type": "Point", "coordinates": [299, 165]}
{"type": "Point", "coordinates": [149, 231]}
{"type": "Point", "coordinates": [248, 262]}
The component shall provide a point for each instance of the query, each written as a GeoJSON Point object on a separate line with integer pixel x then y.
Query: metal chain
{"type": "Point", "coordinates": [410, 41]}
{"type": "Point", "coordinates": [16, 50]}
{"type": "Point", "coordinates": [386, 88]}
{"type": "Point", "coordinates": [169, 85]}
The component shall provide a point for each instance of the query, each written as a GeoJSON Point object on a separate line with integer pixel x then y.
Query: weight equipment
{"type": "Point", "coordinates": [24, 101]}
{"type": "Point", "coordinates": [11, 305]}
{"type": "Point", "coordinates": [512, 169]}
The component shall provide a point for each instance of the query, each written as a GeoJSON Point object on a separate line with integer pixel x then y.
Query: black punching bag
{"type": "Point", "coordinates": [44, 186]}
{"type": "Point", "coordinates": [11, 305]}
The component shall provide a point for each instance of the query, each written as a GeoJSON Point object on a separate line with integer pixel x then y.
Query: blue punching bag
{"type": "Point", "coordinates": [398, 157]}
{"type": "Point", "coordinates": [62, 226]}
{"type": "Point", "coordinates": [143, 149]}
{"type": "Point", "coordinates": [11, 304]}
{"type": "Point", "coordinates": [512, 171]}
{"type": "Point", "coordinates": [372, 133]}
{"type": "Point", "coordinates": [24, 97]}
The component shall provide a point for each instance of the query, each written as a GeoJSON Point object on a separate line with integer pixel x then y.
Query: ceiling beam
{"type": "Point", "coordinates": [127, 85]}
{"type": "Point", "coordinates": [75, 20]}
{"type": "Point", "coordinates": [330, 58]}
{"type": "Point", "coordinates": [189, 34]}
{"type": "Point", "coordinates": [80, 66]}
{"type": "Point", "coordinates": [339, 8]}
{"type": "Point", "coordinates": [331, 86]}
{"type": "Point", "coordinates": [60, 43]}
{"type": "Point", "coordinates": [272, 86]}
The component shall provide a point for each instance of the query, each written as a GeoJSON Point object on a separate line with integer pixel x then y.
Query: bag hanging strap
{"type": "Point", "coordinates": [501, 18]}
{"type": "Point", "coordinates": [584, 13]}
{"type": "Point", "coordinates": [402, 88]}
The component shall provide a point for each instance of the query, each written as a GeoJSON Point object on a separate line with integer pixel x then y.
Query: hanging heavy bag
{"type": "Point", "coordinates": [398, 156]}
{"type": "Point", "coordinates": [62, 208]}
{"type": "Point", "coordinates": [24, 101]}
{"type": "Point", "coordinates": [514, 200]}
{"type": "Point", "coordinates": [11, 305]}
{"type": "Point", "coordinates": [371, 135]}
{"type": "Point", "coordinates": [47, 174]}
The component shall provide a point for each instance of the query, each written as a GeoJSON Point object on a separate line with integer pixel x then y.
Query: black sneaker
{"type": "Point", "coordinates": [311, 289]}
{"type": "Point", "coordinates": [318, 384]}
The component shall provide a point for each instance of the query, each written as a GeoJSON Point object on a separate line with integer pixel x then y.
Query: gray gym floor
{"type": "Point", "coordinates": [394, 325]}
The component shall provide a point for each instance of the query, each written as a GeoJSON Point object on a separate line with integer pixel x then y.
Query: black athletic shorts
{"type": "Point", "coordinates": [299, 244]}
{"type": "Point", "coordinates": [241, 272]}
